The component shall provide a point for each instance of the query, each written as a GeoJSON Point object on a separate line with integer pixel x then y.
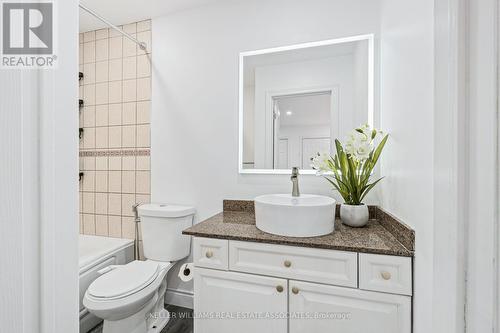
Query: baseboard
{"type": "Point", "coordinates": [179, 298]}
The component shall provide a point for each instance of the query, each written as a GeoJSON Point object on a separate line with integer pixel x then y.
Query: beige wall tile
{"type": "Point", "coordinates": [101, 93]}
{"type": "Point", "coordinates": [130, 28]}
{"type": "Point", "coordinates": [129, 68]}
{"type": "Point", "coordinates": [89, 116]}
{"type": "Point", "coordinates": [101, 137]}
{"type": "Point", "coordinates": [115, 92]}
{"type": "Point", "coordinates": [128, 163]}
{"type": "Point", "coordinates": [115, 69]}
{"type": "Point", "coordinates": [128, 200]}
{"type": "Point", "coordinates": [89, 224]}
{"type": "Point", "coordinates": [115, 163]}
{"type": "Point", "coordinates": [89, 94]}
{"type": "Point", "coordinates": [129, 113]}
{"type": "Point", "coordinates": [88, 181]}
{"type": "Point", "coordinates": [128, 136]}
{"type": "Point", "coordinates": [142, 198]}
{"type": "Point", "coordinates": [143, 66]}
{"type": "Point", "coordinates": [143, 112]}
{"type": "Point", "coordinates": [88, 203]}
{"type": "Point", "coordinates": [101, 115]}
{"type": "Point", "coordinates": [80, 38]}
{"type": "Point", "coordinates": [145, 37]}
{"type": "Point", "coordinates": [143, 163]}
{"type": "Point", "coordinates": [129, 47]}
{"type": "Point", "coordinates": [89, 138]}
{"type": "Point", "coordinates": [88, 52]}
{"type": "Point", "coordinates": [143, 25]}
{"type": "Point", "coordinates": [101, 225]}
{"type": "Point", "coordinates": [115, 226]}
{"type": "Point", "coordinates": [88, 36]}
{"type": "Point", "coordinates": [102, 34]}
{"type": "Point", "coordinates": [143, 89]}
{"type": "Point", "coordinates": [115, 47]}
{"type": "Point", "coordinates": [101, 50]}
{"type": "Point", "coordinates": [101, 71]}
{"type": "Point", "coordinates": [129, 90]}
{"type": "Point", "coordinates": [116, 75]}
{"type": "Point", "coordinates": [115, 204]}
{"type": "Point", "coordinates": [115, 181]}
{"type": "Point", "coordinates": [89, 163]}
{"type": "Point", "coordinates": [80, 54]}
{"type": "Point", "coordinates": [101, 181]}
{"type": "Point", "coordinates": [143, 136]}
{"type": "Point", "coordinates": [101, 203]}
{"type": "Point", "coordinates": [128, 181]}
{"type": "Point", "coordinates": [128, 227]}
{"type": "Point", "coordinates": [143, 182]}
{"type": "Point", "coordinates": [115, 136]}
{"type": "Point", "coordinates": [115, 114]}
{"type": "Point", "coordinates": [101, 163]}
{"type": "Point", "coordinates": [114, 33]}
{"type": "Point", "coordinates": [89, 73]}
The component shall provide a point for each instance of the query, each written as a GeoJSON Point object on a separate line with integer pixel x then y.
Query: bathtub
{"type": "Point", "coordinates": [95, 253]}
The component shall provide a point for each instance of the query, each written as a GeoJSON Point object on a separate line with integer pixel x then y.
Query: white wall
{"type": "Point", "coordinates": [195, 93]}
{"type": "Point", "coordinates": [406, 104]}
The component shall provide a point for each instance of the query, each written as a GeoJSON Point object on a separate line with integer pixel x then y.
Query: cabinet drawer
{"type": "Point", "coordinates": [389, 274]}
{"type": "Point", "coordinates": [317, 265]}
{"type": "Point", "coordinates": [210, 253]}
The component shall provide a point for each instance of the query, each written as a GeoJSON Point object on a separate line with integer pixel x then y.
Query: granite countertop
{"type": "Point", "coordinates": [239, 224]}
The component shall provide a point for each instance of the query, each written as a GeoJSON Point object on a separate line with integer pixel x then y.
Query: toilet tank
{"type": "Point", "coordinates": [161, 227]}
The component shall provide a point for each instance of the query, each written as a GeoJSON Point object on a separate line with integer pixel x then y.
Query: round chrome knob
{"type": "Point", "coordinates": [386, 275]}
{"type": "Point", "coordinates": [209, 254]}
{"type": "Point", "coordinates": [295, 290]}
{"type": "Point", "coordinates": [279, 289]}
{"type": "Point", "coordinates": [287, 263]}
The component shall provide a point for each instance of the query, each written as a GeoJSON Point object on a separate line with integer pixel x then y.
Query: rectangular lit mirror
{"type": "Point", "coordinates": [296, 100]}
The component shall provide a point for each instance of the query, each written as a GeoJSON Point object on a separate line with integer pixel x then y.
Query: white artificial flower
{"type": "Point", "coordinates": [320, 162]}
{"type": "Point", "coordinates": [359, 143]}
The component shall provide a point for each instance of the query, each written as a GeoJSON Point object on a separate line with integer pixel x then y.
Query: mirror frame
{"type": "Point", "coordinates": [371, 89]}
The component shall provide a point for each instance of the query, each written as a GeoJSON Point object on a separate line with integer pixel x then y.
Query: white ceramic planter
{"type": "Point", "coordinates": [354, 216]}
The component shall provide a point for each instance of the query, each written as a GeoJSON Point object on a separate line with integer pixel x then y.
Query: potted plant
{"type": "Point", "coordinates": [350, 170]}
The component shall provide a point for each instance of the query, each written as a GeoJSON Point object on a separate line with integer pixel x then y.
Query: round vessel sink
{"type": "Point", "coordinates": [305, 216]}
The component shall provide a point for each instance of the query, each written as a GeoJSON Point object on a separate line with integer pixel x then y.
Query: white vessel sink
{"type": "Point", "coordinates": [304, 216]}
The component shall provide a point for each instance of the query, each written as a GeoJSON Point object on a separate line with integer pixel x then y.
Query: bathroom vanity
{"type": "Point", "coordinates": [353, 280]}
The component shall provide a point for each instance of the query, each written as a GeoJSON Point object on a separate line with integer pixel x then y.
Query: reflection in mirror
{"type": "Point", "coordinates": [295, 101]}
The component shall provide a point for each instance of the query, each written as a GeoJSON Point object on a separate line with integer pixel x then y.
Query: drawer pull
{"type": "Point", "coordinates": [287, 263]}
{"type": "Point", "coordinates": [295, 290]}
{"type": "Point", "coordinates": [279, 289]}
{"type": "Point", "coordinates": [209, 254]}
{"type": "Point", "coordinates": [385, 275]}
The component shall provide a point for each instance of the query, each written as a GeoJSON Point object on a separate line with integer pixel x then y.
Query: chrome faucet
{"type": "Point", "coordinates": [295, 181]}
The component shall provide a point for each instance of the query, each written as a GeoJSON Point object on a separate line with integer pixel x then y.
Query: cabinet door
{"type": "Point", "coordinates": [321, 308]}
{"type": "Point", "coordinates": [229, 302]}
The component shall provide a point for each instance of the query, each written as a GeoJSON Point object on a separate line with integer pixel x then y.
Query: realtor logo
{"type": "Point", "coordinates": [27, 29]}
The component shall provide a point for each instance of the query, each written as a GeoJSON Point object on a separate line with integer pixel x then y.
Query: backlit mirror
{"type": "Point", "coordinates": [296, 100]}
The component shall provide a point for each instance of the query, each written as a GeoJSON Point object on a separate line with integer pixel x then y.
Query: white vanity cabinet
{"type": "Point", "coordinates": [248, 287]}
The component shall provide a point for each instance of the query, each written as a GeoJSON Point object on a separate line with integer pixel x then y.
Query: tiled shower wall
{"type": "Point", "coordinates": [115, 143]}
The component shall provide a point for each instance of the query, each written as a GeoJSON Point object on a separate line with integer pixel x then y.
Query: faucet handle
{"type": "Point", "coordinates": [295, 171]}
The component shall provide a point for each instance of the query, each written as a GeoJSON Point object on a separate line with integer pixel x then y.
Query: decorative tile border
{"type": "Point", "coordinates": [125, 152]}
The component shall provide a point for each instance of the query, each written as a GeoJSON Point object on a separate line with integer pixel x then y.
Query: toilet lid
{"type": "Point", "coordinates": [124, 280]}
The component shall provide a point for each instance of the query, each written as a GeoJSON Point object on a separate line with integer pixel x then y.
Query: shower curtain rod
{"type": "Point", "coordinates": [142, 45]}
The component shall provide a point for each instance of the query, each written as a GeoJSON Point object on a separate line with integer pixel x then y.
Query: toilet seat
{"type": "Point", "coordinates": [124, 280]}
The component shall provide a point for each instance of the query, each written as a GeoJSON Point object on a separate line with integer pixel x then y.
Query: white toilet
{"type": "Point", "coordinates": [130, 298]}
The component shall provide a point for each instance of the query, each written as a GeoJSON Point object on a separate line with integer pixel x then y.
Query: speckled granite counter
{"type": "Point", "coordinates": [382, 235]}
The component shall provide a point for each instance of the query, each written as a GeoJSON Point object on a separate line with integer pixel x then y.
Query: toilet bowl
{"type": "Point", "coordinates": [130, 298]}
